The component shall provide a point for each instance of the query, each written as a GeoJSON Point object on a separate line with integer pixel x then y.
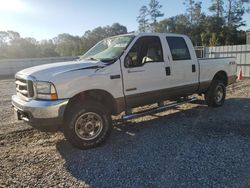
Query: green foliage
{"type": "Point", "coordinates": [152, 13]}
{"type": "Point", "coordinates": [190, 9]}
{"type": "Point", "coordinates": [213, 41]}
{"type": "Point", "coordinates": [67, 45]}
{"type": "Point", "coordinates": [47, 48]}
{"type": "Point", "coordinates": [221, 28]}
{"type": "Point", "coordinates": [90, 38]}
{"type": "Point", "coordinates": [176, 24]}
{"type": "Point", "coordinates": [235, 11]}
{"type": "Point", "coordinates": [217, 7]}
{"type": "Point", "coordinates": [143, 20]}
{"type": "Point", "coordinates": [12, 45]}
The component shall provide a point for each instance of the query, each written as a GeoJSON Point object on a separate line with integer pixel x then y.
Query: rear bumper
{"type": "Point", "coordinates": [39, 113]}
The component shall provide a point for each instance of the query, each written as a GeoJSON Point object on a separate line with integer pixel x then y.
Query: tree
{"type": "Point", "coordinates": [116, 29]}
{"type": "Point", "coordinates": [12, 45]}
{"type": "Point", "coordinates": [90, 38]}
{"type": "Point", "coordinates": [67, 45]}
{"type": "Point", "coordinates": [196, 26]}
{"type": "Point", "coordinates": [234, 19]}
{"type": "Point", "coordinates": [217, 7]}
{"type": "Point", "coordinates": [3, 38]}
{"type": "Point", "coordinates": [213, 41]}
{"type": "Point", "coordinates": [167, 25]}
{"type": "Point", "coordinates": [220, 28]}
{"type": "Point", "coordinates": [175, 24]}
{"type": "Point", "coordinates": [212, 27]}
{"type": "Point", "coordinates": [235, 11]}
{"type": "Point", "coordinates": [143, 20]}
{"type": "Point", "coordinates": [47, 48]}
{"type": "Point", "coordinates": [215, 23]}
{"type": "Point", "coordinates": [195, 18]}
{"type": "Point", "coordinates": [197, 14]}
{"type": "Point", "coordinates": [155, 13]}
{"type": "Point", "coordinates": [190, 9]}
{"type": "Point", "coordinates": [12, 35]}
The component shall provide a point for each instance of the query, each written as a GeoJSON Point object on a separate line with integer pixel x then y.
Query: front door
{"type": "Point", "coordinates": [144, 72]}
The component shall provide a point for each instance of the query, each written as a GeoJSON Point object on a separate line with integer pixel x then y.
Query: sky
{"type": "Point", "coordinates": [45, 19]}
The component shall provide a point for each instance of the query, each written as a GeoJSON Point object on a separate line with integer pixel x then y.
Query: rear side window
{"type": "Point", "coordinates": [178, 48]}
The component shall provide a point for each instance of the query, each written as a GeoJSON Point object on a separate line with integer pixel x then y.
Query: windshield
{"type": "Point", "coordinates": [108, 49]}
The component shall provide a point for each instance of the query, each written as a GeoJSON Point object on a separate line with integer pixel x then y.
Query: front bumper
{"type": "Point", "coordinates": [39, 113]}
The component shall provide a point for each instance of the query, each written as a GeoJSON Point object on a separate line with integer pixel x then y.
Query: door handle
{"type": "Point", "coordinates": [112, 77]}
{"type": "Point", "coordinates": [134, 71]}
{"type": "Point", "coordinates": [168, 71]}
{"type": "Point", "coordinates": [131, 89]}
{"type": "Point", "coordinates": [193, 68]}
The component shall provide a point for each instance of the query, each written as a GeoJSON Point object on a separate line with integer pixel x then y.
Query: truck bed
{"type": "Point", "coordinates": [210, 66]}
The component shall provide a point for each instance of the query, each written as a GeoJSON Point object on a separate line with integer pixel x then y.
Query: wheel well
{"type": "Point", "coordinates": [101, 96]}
{"type": "Point", "coordinates": [221, 75]}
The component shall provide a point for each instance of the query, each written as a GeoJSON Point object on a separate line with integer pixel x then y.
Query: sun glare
{"type": "Point", "coordinates": [13, 5]}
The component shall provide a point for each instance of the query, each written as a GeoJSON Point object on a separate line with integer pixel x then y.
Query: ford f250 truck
{"type": "Point", "coordinates": [116, 75]}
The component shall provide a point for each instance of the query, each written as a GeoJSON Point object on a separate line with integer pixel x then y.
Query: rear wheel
{"type": "Point", "coordinates": [87, 125]}
{"type": "Point", "coordinates": [216, 94]}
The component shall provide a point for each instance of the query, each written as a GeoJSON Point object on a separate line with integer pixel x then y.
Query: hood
{"type": "Point", "coordinates": [47, 71]}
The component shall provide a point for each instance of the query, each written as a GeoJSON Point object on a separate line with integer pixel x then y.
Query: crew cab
{"type": "Point", "coordinates": [116, 75]}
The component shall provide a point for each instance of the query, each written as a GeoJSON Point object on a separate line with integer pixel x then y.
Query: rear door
{"type": "Point", "coordinates": [183, 64]}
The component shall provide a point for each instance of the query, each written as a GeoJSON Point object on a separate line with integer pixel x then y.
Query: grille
{"type": "Point", "coordinates": [24, 88]}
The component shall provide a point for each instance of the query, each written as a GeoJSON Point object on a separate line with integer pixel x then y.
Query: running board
{"type": "Point", "coordinates": [158, 109]}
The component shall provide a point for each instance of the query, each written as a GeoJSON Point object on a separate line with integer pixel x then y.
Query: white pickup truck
{"type": "Point", "coordinates": [116, 75]}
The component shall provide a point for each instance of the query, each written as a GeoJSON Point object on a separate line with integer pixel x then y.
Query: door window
{"type": "Point", "coordinates": [146, 50]}
{"type": "Point", "coordinates": [178, 48]}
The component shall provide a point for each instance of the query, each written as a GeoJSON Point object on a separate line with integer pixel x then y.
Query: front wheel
{"type": "Point", "coordinates": [216, 94]}
{"type": "Point", "coordinates": [87, 125]}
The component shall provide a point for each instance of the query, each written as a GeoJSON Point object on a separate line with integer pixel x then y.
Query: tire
{"type": "Point", "coordinates": [216, 94]}
{"type": "Point", "coordinates": [87, 125]}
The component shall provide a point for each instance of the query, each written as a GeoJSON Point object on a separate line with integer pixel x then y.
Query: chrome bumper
{"type": "Point", "coordinates": [38, 111]}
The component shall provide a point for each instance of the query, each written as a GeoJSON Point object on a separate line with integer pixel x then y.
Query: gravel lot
{"type": "Point", "coordinates": [190, 146]}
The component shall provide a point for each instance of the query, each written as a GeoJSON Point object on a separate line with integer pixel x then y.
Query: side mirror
{"type": "Point", "coordinates": [128, 61]}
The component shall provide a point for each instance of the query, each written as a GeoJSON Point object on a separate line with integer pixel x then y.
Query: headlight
{"type": "Point", "coordinates": [45, 90]}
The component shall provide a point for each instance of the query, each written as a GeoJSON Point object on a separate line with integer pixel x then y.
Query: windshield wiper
{"type": "Point", "coordinates": [104, 60]}
{"type": "Point", "coordinates": [108, 60]}
{"type": "Point", "coordinates": [92, 59]}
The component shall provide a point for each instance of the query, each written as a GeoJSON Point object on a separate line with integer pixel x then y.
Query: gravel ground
{"type": "Point", "coordinates": [189, 146]}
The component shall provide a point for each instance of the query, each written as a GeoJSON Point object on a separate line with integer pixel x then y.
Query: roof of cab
{"type": "Point", "coordinates": [154, 34]}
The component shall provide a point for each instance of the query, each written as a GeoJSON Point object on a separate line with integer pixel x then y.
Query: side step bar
{"type": "Point", "coordinates": [158, 109]}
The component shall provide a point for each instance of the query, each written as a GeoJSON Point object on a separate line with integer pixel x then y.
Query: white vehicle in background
{"type": "Point", "coordinates": [118, 74]}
